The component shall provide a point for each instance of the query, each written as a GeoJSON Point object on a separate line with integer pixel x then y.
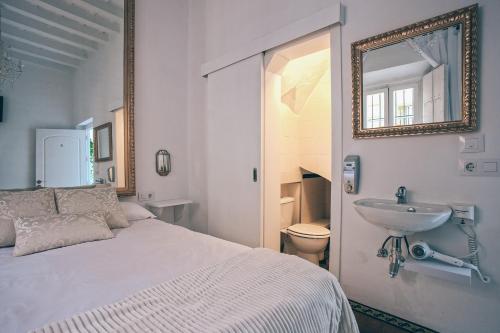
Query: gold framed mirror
{"type": "Point", "coordinates": [419, 79]}
{"type": "Point", "coordinates": [72, 70]}
{"type": "Point", "coordinates": [128, 174]}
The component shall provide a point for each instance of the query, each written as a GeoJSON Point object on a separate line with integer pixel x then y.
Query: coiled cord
{"type": "Point", "coordinates": [473, 253]}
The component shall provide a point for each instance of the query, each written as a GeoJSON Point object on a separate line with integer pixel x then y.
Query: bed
{"type": "Point", "coordinates": [207, 285]}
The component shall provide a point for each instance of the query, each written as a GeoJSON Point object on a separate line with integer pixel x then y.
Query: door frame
{"type": "Point", "coordinates": [335, 264]}
{"type": "Point", "coordinates": [336, 160]}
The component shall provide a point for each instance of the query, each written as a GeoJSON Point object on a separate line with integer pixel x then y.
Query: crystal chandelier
{"type": "Point", "coordinates": [10, 69]}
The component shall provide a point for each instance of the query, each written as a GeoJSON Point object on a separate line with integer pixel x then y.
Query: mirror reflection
{"type": "Point", "coordinates": [416, 81]}
{"type": "Point", "coordinates": [66, 82]}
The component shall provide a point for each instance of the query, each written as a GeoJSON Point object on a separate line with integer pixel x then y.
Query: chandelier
{"type": "Point", "coordinates": [10, 69]}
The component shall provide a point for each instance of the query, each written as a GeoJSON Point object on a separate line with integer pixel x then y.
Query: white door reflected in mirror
{"type": "Point", "coordinates": [60, 158]}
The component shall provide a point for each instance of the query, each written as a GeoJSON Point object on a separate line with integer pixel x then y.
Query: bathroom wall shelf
{"type": "Point", "coordinates": [460, 275]}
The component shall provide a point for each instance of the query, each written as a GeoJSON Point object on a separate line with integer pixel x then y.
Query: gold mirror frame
{"type": "Point", "coordinates": [128, 99]}
{"type": "Point", "coordinates": [468, 17]}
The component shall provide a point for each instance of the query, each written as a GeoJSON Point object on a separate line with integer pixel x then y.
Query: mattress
{"type": "Point", "coordinates": [56, 284]}
{"type": "Point", "coordinates": [118, 276]}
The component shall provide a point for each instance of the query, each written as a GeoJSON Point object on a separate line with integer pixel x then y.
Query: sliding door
{"type": "Point", "coordinates": [234, 109]}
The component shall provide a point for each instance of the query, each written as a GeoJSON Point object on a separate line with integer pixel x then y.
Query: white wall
{"type": "Point", "coordinates": [196, 124]}
{"type": "Point", "coordinates": [289, 145]}
{"type": "Point", "coordinates": [230, 24]}
{"type": "Point", "coordinates": [305, 135]}
{"type": "Point", "coordinates": [98, 89]}
{"type": "Point", "coordinates": [315, 130]}
{"type": "Point", "coordinates": [161, 95]}
{"type": "Point", "coordinates": [40, 98]}
{"type": "Point", "coordinates": [426, 164]}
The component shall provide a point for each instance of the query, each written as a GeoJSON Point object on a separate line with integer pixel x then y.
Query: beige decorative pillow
{"type": "Point", "coordinates": [41, 233]}
{"type": "Point", "coordinates": [78, 201]}
{"type": "Point", "coordinates": [26, 204]}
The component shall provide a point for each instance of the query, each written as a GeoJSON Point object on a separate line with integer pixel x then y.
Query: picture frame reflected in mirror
{"type": "Point", "coordinates": [103, 142]}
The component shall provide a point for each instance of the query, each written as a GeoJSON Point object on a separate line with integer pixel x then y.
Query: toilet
{"type": "Point", "coordinates": [309, 239]}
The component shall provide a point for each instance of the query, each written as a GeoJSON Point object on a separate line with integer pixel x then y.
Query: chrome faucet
{"type": "Point", "coordinates": [396, 259]}
{"type": "Point", "coordinates": [401, 195]}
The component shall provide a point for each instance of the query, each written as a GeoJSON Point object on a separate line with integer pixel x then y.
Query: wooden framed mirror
{"type": "Point", "coordinates": [419, 79]}
{"type": "Point", "coordinates": [127, 187]}
{"type": "Point", "coordinates": [80, 76]}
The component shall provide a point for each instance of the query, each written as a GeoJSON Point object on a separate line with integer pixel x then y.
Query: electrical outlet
{"type": "Point", "coordinates": [479, 167]}
{"type": "Point", "coordinates": [468, 167]}
{"type": "Point", "coordinates": [146, 196]}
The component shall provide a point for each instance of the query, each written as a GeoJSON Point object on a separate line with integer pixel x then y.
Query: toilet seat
{"type": "Point", "coordinates": [307, 230]}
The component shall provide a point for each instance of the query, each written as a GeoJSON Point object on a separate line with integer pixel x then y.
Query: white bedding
{"type": "Point", "coordinates": [51, 286]}
{"type": "Point", "coordinates": [258, 291]}
{"type": "Point", "coordinates": [56, 284]}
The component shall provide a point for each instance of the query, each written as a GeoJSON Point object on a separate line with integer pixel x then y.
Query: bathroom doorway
{"type": "Point", "coordinates": [297, 144]}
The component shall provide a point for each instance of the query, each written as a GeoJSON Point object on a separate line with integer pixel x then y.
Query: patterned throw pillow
{"type": "Point", "coordinates": [79, 201]}
{"type": "Point", "coordinates": [22, 203]}
{"type": "Point", "coordinates": [41, 233]}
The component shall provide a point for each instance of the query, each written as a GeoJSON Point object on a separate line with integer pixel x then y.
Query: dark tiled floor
{"type": "Point", "coordinates": [371, 320]}
{"type": "Point", "coordinates": [370, 325]}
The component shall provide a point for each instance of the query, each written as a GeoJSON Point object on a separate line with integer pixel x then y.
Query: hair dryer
{"type": "Point", "coordinates": [421, 250]}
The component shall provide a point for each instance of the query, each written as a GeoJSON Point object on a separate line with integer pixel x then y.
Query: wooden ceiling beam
{"type": "Point", "coordinates": [40, 61]}
{"type": "Point", "coordinates": [106, 6]}
{"type": "Point", "coordinates": [53, 18]}
{"type": "Point", "coordinates": [79, 13]}
{"type": "Point", "coordinates": [12, 17]}
{"type": "Point", "coordinates": [43, 42]}
{"type": "Point", "coordinates": [42, 53]}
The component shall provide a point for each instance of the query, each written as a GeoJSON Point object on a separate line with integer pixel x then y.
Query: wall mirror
{"type": "Point", "coordinates": [420, 79]}
{"type": "Point", "coordinates": [72, 69]}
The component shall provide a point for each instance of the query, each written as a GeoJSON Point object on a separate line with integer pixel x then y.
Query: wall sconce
{"type": "Point", "coordinates": [163, 166]}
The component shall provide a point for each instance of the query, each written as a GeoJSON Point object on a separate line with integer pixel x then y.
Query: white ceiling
{"type": "Point", "coordinates": [59, 33]}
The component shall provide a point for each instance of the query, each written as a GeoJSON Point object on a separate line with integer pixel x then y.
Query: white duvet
{"type": "Point", "coordinates": [55, 285]}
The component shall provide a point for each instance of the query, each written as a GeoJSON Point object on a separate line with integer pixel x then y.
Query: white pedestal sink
{"type": "Point", "coordinates": [402, 219]}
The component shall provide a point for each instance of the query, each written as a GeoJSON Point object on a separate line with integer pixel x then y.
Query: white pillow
{"type": "Point", "coordinates": [41, 233]}
{"type": "Point", "coordinates": [135, 212]}
{"type": "Point", "coordinates": [24, 203]}
{"type": "Point", "coordinates": [79, 201]}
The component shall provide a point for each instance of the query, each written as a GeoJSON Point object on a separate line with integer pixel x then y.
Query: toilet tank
{"type": "Point", "coordinates": [287, 204]}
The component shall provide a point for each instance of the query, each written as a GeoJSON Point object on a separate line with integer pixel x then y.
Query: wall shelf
{"type": "Point", "coordinates": [169, 210]}
{"type": "Point", "coordinates": [436, 269]}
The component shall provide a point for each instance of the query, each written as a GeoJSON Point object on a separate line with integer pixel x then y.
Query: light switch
{"type": "Point", "coordinates": [471, 143]}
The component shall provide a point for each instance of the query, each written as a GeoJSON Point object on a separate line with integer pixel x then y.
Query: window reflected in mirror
{"type": "Point", "coordinates": [415, 81]}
